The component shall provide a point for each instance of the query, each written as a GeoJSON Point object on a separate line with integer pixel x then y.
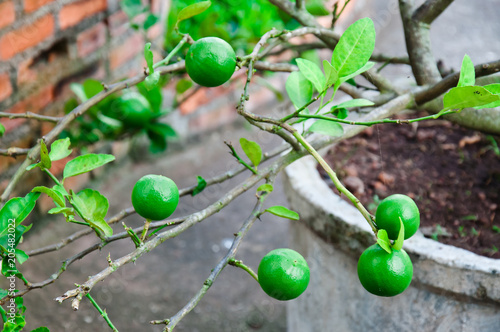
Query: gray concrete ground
{"type": "Point", "coordinates": [162, 282]}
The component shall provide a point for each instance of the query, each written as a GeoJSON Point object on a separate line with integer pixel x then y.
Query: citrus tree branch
{"type": "Point", "coordinates": [418, 45]}
{"type": "Point", "coordinates": [430, 10]}
{"type": "Point", "coordinates": [174, 320]}
{"type": "Point", "coordinates": [14, 151]}
{"type": "Point", "coordinates": [30, 115]}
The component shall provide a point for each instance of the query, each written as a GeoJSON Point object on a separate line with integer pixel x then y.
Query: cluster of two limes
{"type": "Point", "coordinates": [383, 273]}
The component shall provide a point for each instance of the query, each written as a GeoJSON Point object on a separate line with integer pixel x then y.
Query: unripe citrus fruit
{"type": "Point", "coordinates": [283, 274]}
{"type": "Point", "coordinates": [384, 274]}
{"type": "Point", "coordinates": [155, 197]}
{"type": "Point", "coordinates": [133, 109]}
{"type": "Point", "coordinates": [210, 61]}
{"type": "Point", "coordinates": [391, 209]}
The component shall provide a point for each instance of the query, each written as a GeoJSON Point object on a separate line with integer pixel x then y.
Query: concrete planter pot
{"type": "Point", "coordinates": [452, 289]}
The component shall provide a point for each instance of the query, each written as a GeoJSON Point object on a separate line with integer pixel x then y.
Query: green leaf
{"type": "Point", "coordinates": [92, 207]}
{"type": "Point", "coordinates": [62, 209]}
{"type": "Point", "coordinates": [317, 8]}
{"type": "Point", "coordinates": [494, 89]}
{"type": "Point", "coordinates": [183, 85]}
{"type": "Point", "coordinates": [283, 212]}
{"type": "Point", "coordinates": [468, 96]}
{"type": "Point", "coordinates": [41, 329]}
{"type": "Point", "coordinates": [202, 184]}
{"type": "Point", "coordinates": [17, 208]}
{"type": "Point", "coordinates": [148, 56]}
{"type": "Point", "coordinates": [192, 10]}
{"type": "Point", "coordinates": [398, 244]}
{"type": "Point", "coordinates": [150, 21]}
{"type": "Point", "coordinates": [154, 96]}
{"type": "Point", "coordinates": [30, 167]}
{"type": "Point", "coordinates": [152, 80]}
{"type": "Point", "coordinates": [353, 103]}
{"type": "Point", "coordinates": [44, 156]}
{"type": "Point", "coordinates": [354, 48]}
{"type": "Point", "coordinates": [86, 163]}
{"type": "Point", "coordinates": [92, 87]}
{"type": "Point", "coordinates": [21, 256]}
{"type": "Point", "coordinates": [58, 200]}
{"type": "Point", "coordinates": [9, 269]}
{"type": "Point", "coordinates": [252, 150]}
{"type": "Point", "coordinates": [60, 190]}
{"type": "Point", "coordinates": [366, 67]}
{"type": "Point", "coordinates": [158, 134]}
{"type": "Point", "coordinates": [299, 89]}
{"type": "Point", "coordinates": [2, 130]}
{"type": "Point", "coordinates": [326, 127]}
{"type": "Point", "coordinates": [330, 73]}
{"type": "Point", "coordinates": [340, 113]}
{"type": "Point", "coordinates": [467, 73]}
{"type": "Point", "coordinates": [131, 7]}
{"type": "Point", "coordinates": [60, 149]}
{"type": "Point", "coordinates": [265, 187]}
{"type": "Point", "coordinates": [312, 72]}
{"type": "Point", "coordinates": [79, 91]}
{"type": "Point", "coordinates": [383, 240]}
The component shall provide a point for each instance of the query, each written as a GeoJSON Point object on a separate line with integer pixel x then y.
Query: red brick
{"type": "Point", "coordinates": [91, 39]}
{"type": "Point", "coordinates": [70, 15]}
{"type": "Point", "coordinates": [27, 36]}
{"type": "Point", "coordinates": [5, 86]}
{"type": "Point", "coordinates": [126, 51]}
{"type": "Point", "coordinates": [7, 13]}
{"type": "Point", "coordinates": [118, 23]}
{"type": "Point", "coordinates": [33, 104]}
{"type": "Point", "coordinates": [32, 5]}
{"type": "Point", "coordinates": [24, 72]}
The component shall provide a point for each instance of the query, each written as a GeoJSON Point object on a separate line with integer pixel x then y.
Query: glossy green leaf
{"type": "Point", "coordinates": [383, 240]}
{"type": "Point", "coordinates": [398, 244]}
{"type": "Point", "coordinates": [41, 329]}
{"type": "Point", "coordinates": [60, 149]}
{"type": "Point", "coordinates": [467, 73]}
{"type": "Point", "coordinates": [92, 87]}
{"type": "Point", "coordinates": [252, 150]}
{"type": "Point", "coordinates": [468, 96]}
{"type": "Point", "coordinates": [326, 127]}
{"type": "Point", "coordinates": [78, 90]}
{"type": "Point", "coordinates": [131, 7]}
{"type": "Point", "coordinates": [353, 103]}
{"type": "Point", "coordinates": [92, 207]}
{"type": "Point", "coordinates": [330, 73]}
{"type": "Point", "coordinates": [299, 89]}
{"type": "Point", "coordinates": [148, 56]}
{"type": "Point", "coordinates": [340, 113]}
{"type": "Point", "coordinates": [44, 156]}
{"type": "Point", "coordinates": [265, 187]}
{"type": "Point", "coordinates": [317, 8]}
{"type": "Point", "coordinates": [283, 212]}
{"type": "Point", "coordinates": [202, 184]}
{"type": "Point", "coordinates": [151, 20]}
{"type": "Point", "coordinates": [192, 10]}
{"type": "Point", "coordinates": [2, 130]}
{"type": "Point", "coordinates": [152, 80]}
{"type": "Point", "coordinates": [60, 190]}
{"type": "Point", "coordinates": [360, 71]}
{"type": "Point", "coordinates": [56, 197]}
{"type": "Point", "coordinates": [183, 85]}
{"type": "Point", "coordinates": [21, 256]}
{"type": "Point", "coordinates": [153, 95]}
{"type": "Point", "coordinates": [86, 163]}
{"type": "Point", "coordinates": [312, 72]}
{"type": "Point", "coordinates": [17, 209]}
{"type": "Point", "coordinates": [158, 134]}
{"type": "Point", "coordinates": [62, 209]}
{"type": "Point", "coordinates": [9, 269]}
{"type": "Point", "coordinates": [494, 89]}
{"type": "Point", "coordinates": [354, 48]}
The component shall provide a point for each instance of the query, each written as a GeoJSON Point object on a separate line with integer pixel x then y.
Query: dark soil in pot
{"type": "Point", "coordinates": [452, 173]}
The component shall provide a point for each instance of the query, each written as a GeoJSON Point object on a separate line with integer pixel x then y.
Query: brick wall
{"type": "Point", "coordinates": [45, 45]}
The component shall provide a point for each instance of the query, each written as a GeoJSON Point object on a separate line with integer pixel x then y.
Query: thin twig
{"type": "Point", "coordinates": [174, 320]}
{"type": "Point", "coordinates": [430, 10]}
{"type": "Point", "coordinates": [14, 152]}
{"type": "Point", "coordinates": [30, 115]}
{"type": "Point", "coordinates": [103, 313]}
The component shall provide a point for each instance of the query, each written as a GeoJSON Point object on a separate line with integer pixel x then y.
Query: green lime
{"type": "Point", "coordinates": [384, 274]}
{"type": "Point", "coordinates": [283, 274]}
{"type": "Point", "coordinates": [394, 207]}
{"type": "Point", "coordinates": [155, 197]}
{"type": "Point", "coordinates": [133, 109]}
{"type": "Point", "coordinates": [210, 61]}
